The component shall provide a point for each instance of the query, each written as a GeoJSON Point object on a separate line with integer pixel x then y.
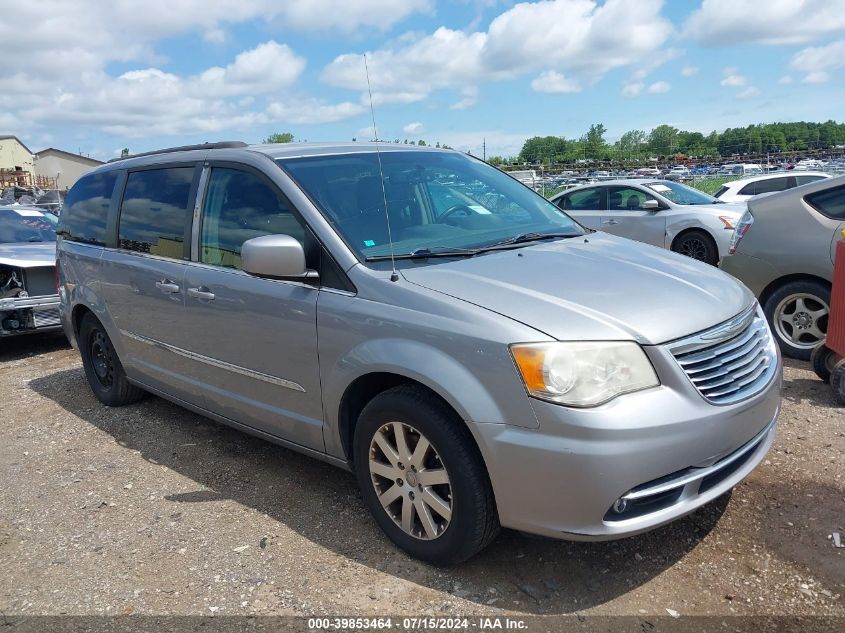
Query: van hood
{"type": "Point", "coordinates": [596, 287]}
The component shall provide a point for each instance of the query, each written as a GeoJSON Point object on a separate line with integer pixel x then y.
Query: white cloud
{"type": "Point", "coordinates": [470, 96]}
{"type": "Point", "coordinates": [349, 16]}
{"type": "Point", "coordinates": [313, 111]}
{"type": "Point", "coordinates": [215, 36]}
{"type": "Point", "coordinates": [726, 22]}
{"type": "Point", "coordinates": [572, 37]}
{"type": "Point", "coordinates": [633, 89]}
{"type": "Point", "coordinates": [786, 79]}
{"type": "Point", "coordinates": [555, 83]}
{"type": "Point", "coordinates": [731, 78]}
{"type": "Point", "coordinates": [749, 93]}
{"type": "Point", "coordinates": [659, 87]}
{"type": "Point", "coordinates": [689, 71]}
{"type": "Point", "coordinates": [817, 62]}
{"type": "Point", "coordinates": [266, 68]}
{"type": "Point", "coordinates": [416, 128]}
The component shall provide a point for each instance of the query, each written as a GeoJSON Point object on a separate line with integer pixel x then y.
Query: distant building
{"type": "Point", "coordinates": [65, 167]}
{"type": "Point", "coordinates": [16, 162]}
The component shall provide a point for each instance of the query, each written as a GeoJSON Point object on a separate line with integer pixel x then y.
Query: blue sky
{"type": "Point", "coordinates": [97, 77]}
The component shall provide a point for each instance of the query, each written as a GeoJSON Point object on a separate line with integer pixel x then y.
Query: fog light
{"type": "Point", "coordinates": [619, 505]}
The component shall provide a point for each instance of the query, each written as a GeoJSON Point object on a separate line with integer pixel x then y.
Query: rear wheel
{"type": "Point", "coordinates": [102, 366]}
{"type": "Point", "coordinates": [823, 359]}
{"type": "Point", "coordinates": [422, 477]}
{"type": "Point", "coordinates": [698, 245]}
{"type": "Point", "coordinates": [798, 312]}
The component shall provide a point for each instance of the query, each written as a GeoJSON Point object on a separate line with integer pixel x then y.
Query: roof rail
{"type": "Point", "coordinates": [185, 148]}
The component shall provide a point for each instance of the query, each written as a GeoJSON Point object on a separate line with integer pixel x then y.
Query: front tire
{"type": "Point", "coordinates": [697, 245]}
{"type": "Point", "coordinates": [103, 368]}
{"type": "Point", "coordinates": [798, 312]}
{"type": "Point", "coordinates": [422, 476]}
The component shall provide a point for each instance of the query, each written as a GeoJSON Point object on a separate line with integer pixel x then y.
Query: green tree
{"type": "Point", "coordinates": [124, 152]}
{"type": "Point", "coordinates": [594, 139]}
{"type": "Point", "coordinates": [279, 137]}
{"type": "Point", "coordinates": [631, 142]}
{"type": "Point", "coordinates": [663, 140]}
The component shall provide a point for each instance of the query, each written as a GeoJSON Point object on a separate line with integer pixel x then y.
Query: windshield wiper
{"type": "Point", "coordinates": [525, 238]}
{"type": "Point", "coordinates": [425, 253]}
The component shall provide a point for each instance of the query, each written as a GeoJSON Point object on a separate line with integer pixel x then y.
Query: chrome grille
{"type": "Point", "coordinates": [48, 317]}
{"type": "Point", "coordinates": [731, 362]}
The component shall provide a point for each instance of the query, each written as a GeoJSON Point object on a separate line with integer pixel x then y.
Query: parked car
{"type": "Point", "coordinates": [659, 212]}
{"type": "Point", "coordinates": [29, 302]}
{"type": "Point", "coordinates": [426, 321]}
{"type": "Point", "coordinates": [783, 249]}
{"type": "Point", "coordinates": [745, 188]}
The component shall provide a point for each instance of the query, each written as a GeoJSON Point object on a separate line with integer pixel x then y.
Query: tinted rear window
{"type": "Point", "coordinates": [86, 210]}
{"type": "Point", "coordinates": [830, 202]}
{"type": "Point", "coordinates": [155, 210]}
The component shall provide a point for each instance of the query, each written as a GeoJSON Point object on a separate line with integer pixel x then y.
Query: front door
{"type": "Point", "coordinates": [626, 217]}
{"type": "Point", "coordinates": [253, 340]}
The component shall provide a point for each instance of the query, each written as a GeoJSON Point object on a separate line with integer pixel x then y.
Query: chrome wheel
{"type": "Point", "coordinates": [410, 480]}
{"type": "Point", "coordinates": [800, 319]}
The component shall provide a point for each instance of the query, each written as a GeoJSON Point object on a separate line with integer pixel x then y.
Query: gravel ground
{"type": "Point", "coordinates": [151, 509]}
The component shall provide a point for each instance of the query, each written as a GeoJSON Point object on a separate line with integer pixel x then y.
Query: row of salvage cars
{"type": "Point", "coordinates": [786, 259]}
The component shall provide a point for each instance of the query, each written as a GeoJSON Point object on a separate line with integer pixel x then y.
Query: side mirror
{"type": "Point", "coordinates": [650, 205]}
{"type": "Point", "coordinates": [275, 256]}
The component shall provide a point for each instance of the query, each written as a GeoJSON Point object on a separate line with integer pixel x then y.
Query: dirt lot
{"type": "Point", "coordinates": [152, 509]}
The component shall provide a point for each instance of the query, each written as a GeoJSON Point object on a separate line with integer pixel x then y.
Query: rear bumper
{"type": "Point", "coordinates": [666, 451]}
{"type": "Point", "coordinates": [754, 272]}
{"type": "Point", "coordinates": [32, 314]}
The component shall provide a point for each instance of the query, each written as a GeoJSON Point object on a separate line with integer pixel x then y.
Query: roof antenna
{"type": "Point", "coordinates": [394, 276]}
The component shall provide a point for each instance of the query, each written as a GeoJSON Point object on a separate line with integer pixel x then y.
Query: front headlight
{"type": "Point", "coordinates": [583, 374]}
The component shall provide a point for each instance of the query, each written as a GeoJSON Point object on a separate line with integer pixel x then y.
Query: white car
{"type": "Point", "coordinates": [659, 212]}
{"type": "Point", "coordinates": [742, 190]}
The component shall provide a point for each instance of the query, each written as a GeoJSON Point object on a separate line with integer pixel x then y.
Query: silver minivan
{"type": "Point", "coordinates": [473, 355]}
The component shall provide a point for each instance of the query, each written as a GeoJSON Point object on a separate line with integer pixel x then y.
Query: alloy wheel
{"type": "Point", "coordinates": [800, 319]}
{"type": "Point", "coordinates": [410, 480]}
{"type": "Point", "coordinates": [694, 247]}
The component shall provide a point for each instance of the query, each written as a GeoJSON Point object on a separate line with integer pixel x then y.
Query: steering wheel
{"type": "Point", "coordinates": [453, 210]}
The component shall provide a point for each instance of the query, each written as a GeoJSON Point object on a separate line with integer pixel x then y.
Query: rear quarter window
{"type": "Point", "coordinates": [86, 210]}
{"type": "Point", "coordinates": [830, 202]}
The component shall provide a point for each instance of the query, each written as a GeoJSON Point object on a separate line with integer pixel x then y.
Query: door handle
{"type": "Point", "coordinates": [201, 293]}
{"type": "Point", "coordinates": [611, 221]}
{"type": "Point", "coordinates": [167, 286]}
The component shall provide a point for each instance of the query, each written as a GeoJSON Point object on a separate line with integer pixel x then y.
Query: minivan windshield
{"type": "Point", "coordinates": [438, 202]}
{"type": "Point", "coordinates": [26, 225]}
{"type": "Point", "coordinates": [681, 194]}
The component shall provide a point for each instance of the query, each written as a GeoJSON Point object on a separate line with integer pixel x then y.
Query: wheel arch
{"type": "Point", "coordinates": [696, 229]}
{"type": "Point", "coordinates": [782, 281]}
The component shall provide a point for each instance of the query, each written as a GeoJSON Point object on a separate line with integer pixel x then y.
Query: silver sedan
{"type": "Point", "coordinates": [659, 212]}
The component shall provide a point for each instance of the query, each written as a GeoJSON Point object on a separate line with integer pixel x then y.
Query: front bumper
{"type": "Point", "coordinates": [30, 314]}
{"type": "Point", "coordinates": [667, 449]}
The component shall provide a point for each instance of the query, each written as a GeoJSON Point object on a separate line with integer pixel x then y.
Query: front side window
{"type": "Point", "coordinates": [238, 207]}
{"type": "Point", "coordinates": [830, 202]}
{"type": "Point", "coordinates": [681, 194]}
{"type": "Point", "coordinates": [582, 200]}
{"type": "Point", "coordinates": [626, 199]}
{"type": "Point", "coordinates": [435, 200]}
{"type": "Point", "coordinates": [26, 225]}
{"type": "Point", "coordinates": [155, 212]}
{"type": "Point", "coordinates": [86, 210]}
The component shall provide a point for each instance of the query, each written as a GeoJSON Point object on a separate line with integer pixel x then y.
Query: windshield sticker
{"type": "Point", "coordinates": [479, 209]}
{"type": "Point", "coordinates": [660, 188]}
{"type": "Point", "coordinates": [369, 243]}
{"type": "Point", "coordinates": [31, 213]}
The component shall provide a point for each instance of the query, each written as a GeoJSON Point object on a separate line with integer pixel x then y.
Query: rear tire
{"type": "Point", "coordinates": [697, 245]}
{"type": "Point", "coordinates": [798, 312]}
{"type": "Point", "coordinates": [452, 466]}
{"type": "Point", "coordinates": [103, 368]}
{"type": "Point", "coordinates": [823, 359]}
